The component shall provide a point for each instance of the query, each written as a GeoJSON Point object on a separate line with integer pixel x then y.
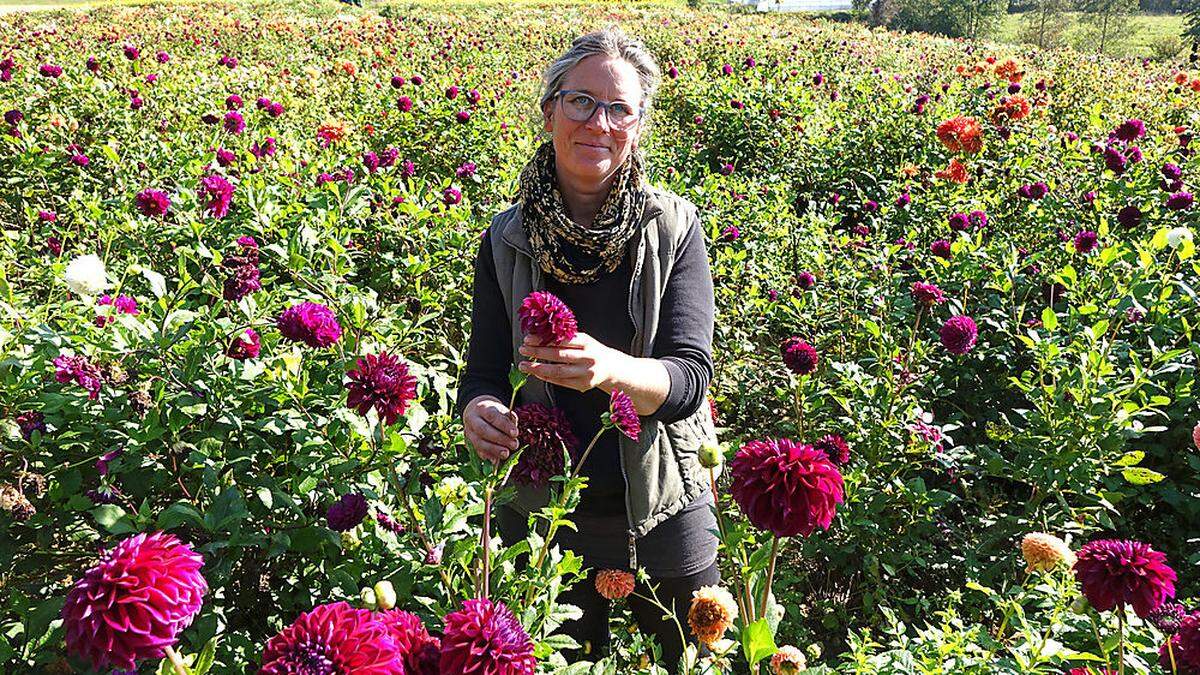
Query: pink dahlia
{"type": "Point", "coordinates": [485, 638]}
{"type": "Point", "coordinates": [1188, 641]}
{"type": "Point", "coordinates": [153, 203]}
{"type": "Point", "coordinates": [217, 193]}
{"type": "Point", "coordinates": [419, 650]}
{"type": "Point", "coordinates": [547, 318]}
{"type": "Point", "coordinates": [785, 487]}
{"type": "Point", "coordinates": [958, 334]}
{"type": "Point", "coordinates": [381, 381]}
{"type": "Point", "coordinates": [246, 345]}
{"type": "Point", "coordinates": [544, 432]}
{"type": "Point", "coordinates": [134, 603]}
{"type": "Point", "coordinates": [311, 323]}
{"type": "Point", "coordinates": [926, 295]}
{"type": "Point", "coordinates": [347, 512]}
{"type": "Point", "coordinates": [122, 304]}
{"type": "Point", "coordinates": [80, 370]}
{"type": "Point", "coordinates": [1117, 572]}
{"type": "Point", "coordinates": [835, 448]}
{"type": "Point", "coordinates": [1196, 435]}
{"type": "Point", "coordinates": [799, 356]}
{"type": "Point", "coordinates": [623, 414]}
{"type": "Point", "coordinates": [333, 639]}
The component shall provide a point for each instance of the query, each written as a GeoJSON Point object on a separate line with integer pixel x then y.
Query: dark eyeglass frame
{"type": "Point", "coordinates": [607, 105]}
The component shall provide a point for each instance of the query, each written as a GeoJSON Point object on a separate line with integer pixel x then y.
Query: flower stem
{"type": "Point", "coordinates": [177, 662]}
{"type": "Point", "coordinates": [741, 599]}
{"type": "Point", "coordinates": [1171, 655]}
{"type": "Point", "coordinates": [1121, 640]}
{"type": "Point", "coordinates": [798, 400]}
{"type": "Point", "coordinates": [770, 577]}
{"type": "Point", "coordinates": [485, 572]}
{"type": "Point", "coordinates": [1008, 611]}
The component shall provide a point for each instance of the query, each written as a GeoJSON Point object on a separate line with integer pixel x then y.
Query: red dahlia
{"type": "Point", "coordinates": [785, 487]}
{"type": "Point", "coordinates": [623, 414]}
{"type": "Point", "coordinates": [799, 356]}
{"type": "Point", "coordinates": [1119, 572]}
{"type": "Point", "coordinates": [381, 381]}
{"type": "Point", "coordinates": [333, 639]}
{"type": "Point", "coordinates": [835, 448]}
{"type": "Point", "coordinates": [418, 649]}
{"type": "Point", "coordinates": [544, 432]}
{"type": "Point", "coordinates": [485, 638]}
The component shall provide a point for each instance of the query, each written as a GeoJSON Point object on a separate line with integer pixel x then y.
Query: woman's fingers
{"type": "Point", "coordinates": [500, 421]}
{"type": "Point", "coordinates": [557, 354]}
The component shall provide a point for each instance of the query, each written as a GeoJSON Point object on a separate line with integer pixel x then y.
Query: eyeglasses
{"type": "Point", "coordinates": [580, 107]}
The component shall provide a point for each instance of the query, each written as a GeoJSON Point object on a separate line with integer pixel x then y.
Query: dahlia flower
{"type": "Point", "coordinates": [958, 334]}
{"type": "Point", "coordinates": [134, 603]}
{"type": "Point", "coordinates": [806, 280]}
{"type": "Point", "coordinates": [85, 275]}
{"type": "Point", "coordinates": [234, 123]}
{"type": "Point", "coordinates": [1187, 639]}
{"type": "Point", "coordinates": [788, 661]}
{"type": "Point", "coordinates": [486, 638]}
{"type": "Point", "coordinates": [544, 432]}
{"type": "Point", "coordinates": [153, 203]}
{"type": "Point", "coordinates": [834, 447]}
{"type": "Point", "coordinates": [217, 193]}
{"type": "Point", "coordinates": [1129, 216]}
{"type": "Point", "coordinates": [333, 638]}
{"type": "Point", "coordinates": [614, 584]}
{"type": "Point", "coordinates": [1044, 552]}
{"type": "Point", "coordinates": [623, 414]}
{"type": "Point", "coordinates": [940, 248]}
{"type": "Point", "coordinates": [381, 381]}
{"type": "Point", "coordinates": [547, 318]}
{"type": "Point", "coordinates": [29, 422]}
{"type": "Point", "coordinates": [245, 345]}
{"type": "Point", "coordinates": [347, 512]}
{"type": "Point", "coordinates": [927, 294]}
{"type": "Point", "coordinates": [1085, 241]}
{"type": "Point", "coordinates": [712, 612]}
{"type": "Point", "coordinates": [79, 370]}
{"type": "Point", "coordinates": [785, 487]}
{"type": "Point", "coordinates": [416, 648]}
{"type": "Point", "coordinates": [1180, 201]}
{"type": "Point", "coordinates": [1130, 130]}
{"type": "Point", "coordinates": [1115, 573]}
{"type": "Point", "coordinates": [1168, 617]}
{"type": "Point", "coordinates": [311, 323]}
{"type": "Point", "coordinates": [799, 356]}
{"type": "Point", "coordinates": [1196, 435]}
{"type": "Point", "coordinates": [961, 134]}
{"type": "Point", "coordinates": [123, 304]}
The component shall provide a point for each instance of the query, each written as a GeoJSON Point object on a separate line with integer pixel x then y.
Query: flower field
{"type": "Point", "coordinates": [956, 345]}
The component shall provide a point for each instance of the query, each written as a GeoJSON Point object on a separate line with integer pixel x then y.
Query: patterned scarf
{"type": "Point", "coordinates": [562, 248]}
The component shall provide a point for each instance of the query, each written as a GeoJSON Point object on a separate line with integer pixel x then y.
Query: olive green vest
{"type": "Point", "coordinates": [662, 469]}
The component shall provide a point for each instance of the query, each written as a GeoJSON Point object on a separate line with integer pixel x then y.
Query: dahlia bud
{"type": "Point", "coordinates": [385, 595]}
{"type": "Point", "coordinates": [1044, 552]}
{"type": "Point", "coordinates": [434, 555]}
{"type": "Point", "coordinates": [367, 595]}
{"type": "Point", "coordinates": [711, 455]}
{"type": "Point", "coordinates": [788, 661]}
{"type": "Point", "coordinates": [350, 541]}
{"type": "Point", "coordinates": [1080, 605]}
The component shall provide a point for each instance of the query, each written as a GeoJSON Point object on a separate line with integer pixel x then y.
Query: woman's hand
{"type": "Point", "coordinates": [581, 363]}
{"type": "Point", "coordinates": [490, 428]}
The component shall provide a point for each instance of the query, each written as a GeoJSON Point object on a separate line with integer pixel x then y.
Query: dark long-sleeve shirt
{"type": "Point", "coordinates": [683, 344]}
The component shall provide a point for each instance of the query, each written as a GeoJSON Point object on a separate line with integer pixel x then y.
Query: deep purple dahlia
{"type": "Point", "coordinates": [134, 602]}
{"type": "Point", "coordinates": [799, 356]}
{"type": "Point", "coordinates": [333, 639]}
{"type": "Point", "coordinates": [29, 422]}
{"type": "Point", "coordinates": [311, 323]}
{"type": "Point", "coordinates": [381, 381]}
{"type": "Point", "coordinates": [1085, 241]}
{"type": "Point", "coordinates": [1129, 216]}
{"type": "Point", "coordinates": [926, 294]}
{"type": "Point", "coordinates": [153, 203]}
{"type": "Point", "coordinates": [485, 638]}
{"type": "Point", "coordinates": [1130, 130]}
{"type": "Point", "coordinates": [1119, 572]}
{"type": "Point", "coordinates": [958, 334]}
{"type": "Point", "coordinates": [547, 318]}
{"type": "Point", "coordinates": [624, 415]}
{"type": "Point", "coordinates": [348, 511]}
{"type": "Point", "coordinates": [1180, 201]}
{"type": "Point", "coordinates": [940, 248]}
{"type": "Point", "coordinates": [544, 432]}
{"type": "Point", "coordinates": [245, 345]}
{"type": "Point", "coordinates": [786, 488]}
{"type": "Point", "coordinates": [835, 448]}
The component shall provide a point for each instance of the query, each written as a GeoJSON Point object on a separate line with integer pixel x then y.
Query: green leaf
{"type": "Point", "coordinates": [1131, 458]}
{"type": "Point", "coordinates": [158, 284]}
{"type": "Point", "coordinates": [516, 378]}
{"type": "Point", "coordinates": [180, 514]}
{"type": "Point", "coordinates": [107, 515]}
{"type": "Point", "coordinates": [1049, 319]}
{"type": "Point", "coordinates": [1140, 475]}
{"type": "Point", "coordinates": [204, 661]}
{"type": "Point", "coordinates": [757, 642]}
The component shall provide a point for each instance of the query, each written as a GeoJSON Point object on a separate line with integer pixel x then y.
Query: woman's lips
{"type": "Point", "coordinates": [598, 147]}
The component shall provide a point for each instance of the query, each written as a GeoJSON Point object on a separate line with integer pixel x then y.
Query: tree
{"type": "Point", "coordinates": [1045, 23]}
{"type": "Point", "coordinates": [954, 18]}
{"type": "Point", "coordinates": [1191, 29]}
{"type": "Point", "coordinates": [1109, 22]}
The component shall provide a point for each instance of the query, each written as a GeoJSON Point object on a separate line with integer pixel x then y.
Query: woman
{"type": "Point", "coordinates": [630, 261]}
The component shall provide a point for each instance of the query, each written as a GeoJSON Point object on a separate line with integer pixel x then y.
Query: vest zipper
{"type": "Point", "coordinates": [620, 439]}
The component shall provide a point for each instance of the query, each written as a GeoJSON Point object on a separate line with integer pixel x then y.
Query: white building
{"type": "Point", "coordinates": [796, 5]}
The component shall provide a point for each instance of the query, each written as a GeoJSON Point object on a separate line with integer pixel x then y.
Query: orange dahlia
{"type": "Point", "coordinates": [961, 134]}
{"type": "Point", "coordinates": [614, 584]}
{"type": "Point", "coordinates": [1010, 71]}
{"type": "Point", "coordinates": [712, 613]}
{"type": "Point", "coordinates": [788, 661]}
{"type": "Point", "coordinates": [1044, 552]}
{"type": "Point", "coordinates": [1010, 109]}
{"type": "Point", "coordinates": [956, 172]}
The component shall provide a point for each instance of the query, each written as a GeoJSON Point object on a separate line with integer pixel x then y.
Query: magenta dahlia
{"type": "Point", "coordinates": [958, 334]}
{"type": "Point", "coordinates": [547, 318]}
{"type": "Point", "coordinates": [381, 381]}
{"type": "Point", "coordinates": [1085, 241]}
{"type": "Point", "coordinates": [245, 345]}
{"type": "Point", "coordinates": [1188, 641]}
{"type": "Point", "coordinates": [1119, 572]}
{"type": "Point", "coordinates": [347, 512]}
{"type": "Point", "coordinates": [799, 356]}
{"type": "Point", "coordinates": [544, 432]}
{"type": "Point", "coordinates": [333, 639]}
{"type": "Point", "coordinates": [485, 638]}
{"type": "Point", "coordinates": [926, 294]}
{"type": "Point", "coordinates": [217, 193]}
{"type": "Point", "coordinates": [785, 487]}
{"type": "Point", "coordinates": [623, 414]}
{"type": "Point", "coordinates": [81, 371]}
{"type": "Point", "coordinates": [835, 448]}
{"type": "Point", "coordinates": [311, 323]}
{"type": "Point", "coordinates": [417, 649]}
{"type": "Point", "coordinates": [153, 202]}
{"type": "Point", "coordinates": [134, 603]}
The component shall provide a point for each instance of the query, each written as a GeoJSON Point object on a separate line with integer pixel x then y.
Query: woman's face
{"type": "Point", "coordinates": [591, 151]}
